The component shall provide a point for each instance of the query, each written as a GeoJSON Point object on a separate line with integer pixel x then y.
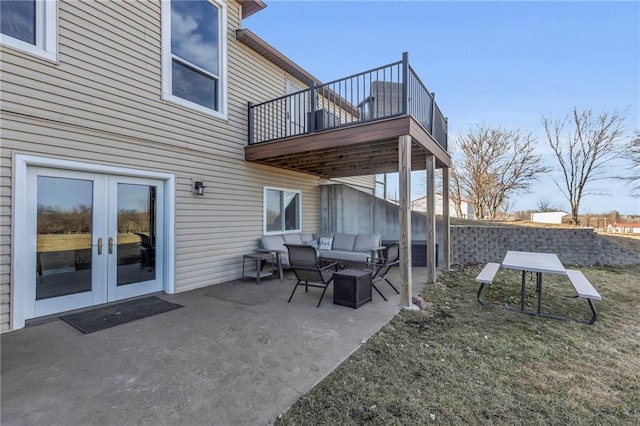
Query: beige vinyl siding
{"type": "Point", "coordinates": [89, 81]}
{"type": "Point", "coordinates": [212, 232]}
{"type": "Point", "coordinates": [5, 239]}
{"type": "Point", "coordinates": [361, 183]}
{"type": "Point", "coordinates": [334, 108]}
{"type": "Point", "coordinates": [102, 104]}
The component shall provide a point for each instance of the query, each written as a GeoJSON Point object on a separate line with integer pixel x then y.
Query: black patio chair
{"type": "Point", "coordinates": [381, 267]}
{"type": "Point", "coordinates": [147, 251]}
{"type": "Point", "coordinates": [306, 266]}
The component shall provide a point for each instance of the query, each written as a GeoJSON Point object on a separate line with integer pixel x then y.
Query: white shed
{"type": "Point", "coordinates": [420, 204]}
{"type": "Point", "coordinates": [548, 217]}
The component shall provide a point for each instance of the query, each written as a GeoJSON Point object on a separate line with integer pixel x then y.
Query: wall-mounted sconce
{"type": "Point", "coordinates": [197, 186]}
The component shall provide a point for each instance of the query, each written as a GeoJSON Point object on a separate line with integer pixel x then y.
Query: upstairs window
{"type": "Point", "coordinates": [194, 46]}
{"type": "Point", "coordinates": [29, 26]}
{"type": "Point", "coordinates": [282, 210]}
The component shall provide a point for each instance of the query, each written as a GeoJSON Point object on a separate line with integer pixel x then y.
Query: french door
{"type": "Point", "coordinates": [93, 238]}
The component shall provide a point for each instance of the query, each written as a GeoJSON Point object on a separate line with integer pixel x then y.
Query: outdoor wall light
{"type": "Point", "coordinates": [197, 187]}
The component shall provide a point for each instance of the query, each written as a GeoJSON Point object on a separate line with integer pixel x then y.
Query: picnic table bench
{"type": "Point", "coordinates": [486, 277]}
{"type": "Point", "coordinates": [585, 290]}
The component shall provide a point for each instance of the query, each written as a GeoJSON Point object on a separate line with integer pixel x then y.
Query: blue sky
{"type": "Point", "coordinates": [498, 63]}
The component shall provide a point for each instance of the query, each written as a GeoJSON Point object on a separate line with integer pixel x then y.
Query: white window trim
{"type": "Point", "coordinates": [166, 62]}
{"type": "Point", "coordinates": [20, 249]}
{"type": "Point", "coordinates": [46, 46]}
{"type": "Point", "coordinates": [264, 211]}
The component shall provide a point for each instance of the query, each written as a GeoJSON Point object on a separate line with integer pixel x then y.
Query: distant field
{"type": "Point", "coordinates": [63, 242]}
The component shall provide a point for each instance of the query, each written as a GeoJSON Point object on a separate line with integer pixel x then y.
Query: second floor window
{"type": "Point", "coordinates": [194, 46]}
{"type": "Point", "coordinates": [29, 26]}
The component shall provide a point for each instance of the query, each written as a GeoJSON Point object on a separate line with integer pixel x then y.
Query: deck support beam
{"type": "Point", "coordinates": [431, 217]}
{"type": "Point", "coordinates": [404, 201]}
{"type": "Point", "coordinates": [446, 222]}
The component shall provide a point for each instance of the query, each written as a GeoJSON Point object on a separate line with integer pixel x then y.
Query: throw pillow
{"type": "Point", "coordinates": [312, 243]}
{"type": "Point", "coordinates": [325, 243]}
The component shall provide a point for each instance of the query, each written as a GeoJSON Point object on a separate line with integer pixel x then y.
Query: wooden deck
{"type": "Point", "coordinates": [363, 149]}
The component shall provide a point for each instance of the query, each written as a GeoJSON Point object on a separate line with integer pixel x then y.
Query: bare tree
{"type": "Point", "coordinates": [455, 190]}
{"type": "Point", "coordinates": [506, 207]}
{"type": "Point", "coordinates": [496, 163]}
{"type": "Point", "coordinates": [544, 205]}
{"type": "Point", "coordinates": [583, 145]}
{"type": "Point", "coordinates": [635, 159]}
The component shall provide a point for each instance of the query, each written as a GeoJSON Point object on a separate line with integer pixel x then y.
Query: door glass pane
{"type": "Point", "coordinates": [64, 220]}
{"type": "Point", "coordinates": [136, 233]}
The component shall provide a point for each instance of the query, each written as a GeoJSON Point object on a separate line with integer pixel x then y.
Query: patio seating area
{"type": "Point", "coordinates": [236, 353]}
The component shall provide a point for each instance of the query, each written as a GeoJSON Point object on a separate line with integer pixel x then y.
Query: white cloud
{"type": "Point", "coordinates": [189, 44]}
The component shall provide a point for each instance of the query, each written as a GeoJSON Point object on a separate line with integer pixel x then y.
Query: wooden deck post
{"type": "Point", "coordinates": [446, 244]}
{"type": "Point", "coordinates": [431, 218]}
{"type": "Point", "coordinates": [404, 201]}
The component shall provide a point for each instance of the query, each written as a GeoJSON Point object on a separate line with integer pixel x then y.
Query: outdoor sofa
{"type": "Point", "coordinates": [340, 247]}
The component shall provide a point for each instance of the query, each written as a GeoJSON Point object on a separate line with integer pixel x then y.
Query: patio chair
{"type": "Point", "coordinates": [147, 251]}
{"type": "Point", "coordinates": [306, 266]}
{"type": "Point", "coordinates": [381, 267]}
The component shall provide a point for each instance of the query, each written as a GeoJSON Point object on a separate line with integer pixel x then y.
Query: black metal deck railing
{"type": "Point", "coordinates": [383, 92]}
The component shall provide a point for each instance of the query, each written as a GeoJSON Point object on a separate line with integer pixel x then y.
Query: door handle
{"type": "Point", "coordinates": [99, 246]}
{"type": "Point", "coordinates": [110, 245]}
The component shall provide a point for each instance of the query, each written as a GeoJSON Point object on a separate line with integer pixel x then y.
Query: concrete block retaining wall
{"type": "Point", "coordinates": [345, 209]}
{"type": "Point", "coordinates": [481, 244]}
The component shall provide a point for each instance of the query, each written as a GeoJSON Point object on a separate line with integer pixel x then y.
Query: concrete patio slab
{"type": "Point", "coordinates": [236, 354]}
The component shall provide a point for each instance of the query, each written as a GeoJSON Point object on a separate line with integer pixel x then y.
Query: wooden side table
{"type": "Point", "coordinates": [352, 287]}
{"type": "Point", "coordinates": [258, 273]}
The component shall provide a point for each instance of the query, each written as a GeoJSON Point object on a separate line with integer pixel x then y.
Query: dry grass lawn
{"type": "Point", "coordinates": [64, 242]}
{"type": "Point", "coordinates": [459, 362]}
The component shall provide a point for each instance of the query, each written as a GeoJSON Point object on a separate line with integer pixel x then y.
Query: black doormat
{"type": "Point", "coordinates": [119, 313]}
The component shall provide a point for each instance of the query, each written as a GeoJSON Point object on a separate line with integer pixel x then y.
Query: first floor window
{"type": "Point", "coordinates": [30, 26]}
{"type": "Point", "coordinates": [282, 210]}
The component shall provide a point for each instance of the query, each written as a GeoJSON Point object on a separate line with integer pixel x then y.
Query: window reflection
{"type": "Point", "coordinates": [291, 210]}
{"type": "Point", "coordinates": [195, 50]}
{"type": "Point", "coordinates": [282, 210]}
{"type": "Point", "coordinates": [136, 233]}
{"type": "Point", "coordinates": [273, 210]}
{"type": "Point", "coordinates": [18, 19]}
{"type": "Point", "coordinates": [64, 226]}
{"type": "Point", "coordinates": [194, 33]}
{"type": "Point", "coordinates": [193, 86]}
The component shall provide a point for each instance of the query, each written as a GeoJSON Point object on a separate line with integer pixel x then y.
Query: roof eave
{"type": "Point", "coordinates": [249, 7]}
